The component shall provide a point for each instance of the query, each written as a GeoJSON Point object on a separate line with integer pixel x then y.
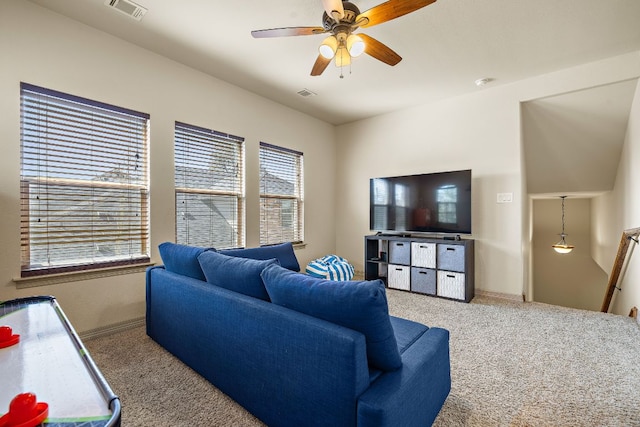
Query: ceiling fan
{"type": "Point", "coordinates": [341, 19]}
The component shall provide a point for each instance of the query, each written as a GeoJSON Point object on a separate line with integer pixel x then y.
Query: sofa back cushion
{"type": "Point", "coordinates": [361, 306]}
{"type": "Point", "coordinates": [182, 259]}
{"type": "Point", "coordinates": [283, 253]}
{"type": "Point", "coordinates": [234, 273]}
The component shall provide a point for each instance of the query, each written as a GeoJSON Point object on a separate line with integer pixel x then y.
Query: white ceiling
{"type": "Point", "coordinates": [445, 46]}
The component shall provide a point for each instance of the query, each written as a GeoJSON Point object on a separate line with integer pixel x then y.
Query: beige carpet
{"type": "Point", "coordinates": [513, 364]}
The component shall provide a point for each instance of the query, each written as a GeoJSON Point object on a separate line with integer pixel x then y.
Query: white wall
{"type": "Point", "coordinates": [619, 210]}
{"type": "Point", "coordinates": [433, 138]}
{"type": "Point", "coordinates": [46, 49]}
{"type": "Point", "coordinates": [480, 131]}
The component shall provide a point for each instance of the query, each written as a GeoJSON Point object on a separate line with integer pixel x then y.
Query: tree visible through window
{"type": "Point", "coordinates": [281, 195]}
{"type": "Point", "coordinates": [209, 180]}
{"type": "Point", "coordinates": [84, 183]}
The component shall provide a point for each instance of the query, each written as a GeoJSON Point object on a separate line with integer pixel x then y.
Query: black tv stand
{"type": "Point", "coordinates": [456, 237]}
{"type": "Point", "coordinates": [440, 266]}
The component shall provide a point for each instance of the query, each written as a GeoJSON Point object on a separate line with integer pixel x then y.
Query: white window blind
{"type": "Point", "coordinates": [84, 183]}
{"type": "Point", "coordinates": [281, 195]}
{"type": "Point", "coordinates": [209, 181]}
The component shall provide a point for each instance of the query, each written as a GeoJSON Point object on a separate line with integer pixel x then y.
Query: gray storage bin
{"type": "Point", "coordinates": [399, 252]}
{"type": "Point", "coordinates": [451, 257]}
{"type": "Point", "coordinates": [423, 280]}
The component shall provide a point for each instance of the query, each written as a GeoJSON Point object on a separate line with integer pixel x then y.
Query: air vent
{"type": "Point", "coordinates": [127, 7]}
{"type": "Point", "coordinates": [306, 93]}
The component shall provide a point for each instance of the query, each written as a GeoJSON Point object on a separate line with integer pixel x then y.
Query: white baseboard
{"type": "Point", "coordinates": [112, 329]}
{"type": "Point", "coordinates": [499, 295]}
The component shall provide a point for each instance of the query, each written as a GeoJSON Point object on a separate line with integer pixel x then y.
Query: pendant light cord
{"type": "Point", "coordinates": [563, 197]}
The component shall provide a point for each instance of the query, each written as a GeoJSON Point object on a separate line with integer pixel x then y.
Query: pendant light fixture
{"type": "Point", "coordinates": [562, 247]}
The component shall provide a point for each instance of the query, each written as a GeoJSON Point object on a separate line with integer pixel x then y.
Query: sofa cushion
{"type": "Point", "coordinates": [361, 306]}
{"type": "Point", "coordinates": [182, 259]}
{"type": "Point", "coordinates": [283, 253]}
{"type": "Point", "coordinates": [234, 273]}
{"type": "Point", "coordinates": [406, 332]}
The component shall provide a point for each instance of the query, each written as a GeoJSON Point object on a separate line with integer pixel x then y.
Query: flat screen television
{"type": "Point", "coordinates": [425, 203]}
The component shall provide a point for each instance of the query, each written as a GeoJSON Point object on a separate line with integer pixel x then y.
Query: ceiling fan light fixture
{"type": "Point", "coordinates": [328, 47]}
{"type": "Point", "coordinates": [355, 45]}
{"type": "Point", "coordinates": [343, 58]}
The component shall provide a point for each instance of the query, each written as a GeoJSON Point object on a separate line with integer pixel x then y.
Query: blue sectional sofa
{"type": "Point", "coordinates": [292, 349]}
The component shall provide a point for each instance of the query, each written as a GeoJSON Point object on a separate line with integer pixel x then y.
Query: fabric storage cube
{"type": "Point", "coordinates": [423, 255]}
{"type": "Point", "coordinates": [423, 280]}
{"type": "Point", "coordinates": [399, 252]}
{"type": "Point", "coordinates": [451, 257]}
{"type": "Point", "coordinates": [451, 285]}
{"type": "Point", "coordinates": [399, 277]}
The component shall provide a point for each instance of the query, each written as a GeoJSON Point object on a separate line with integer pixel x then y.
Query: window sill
{"type": "Point", "coordinates": [54, 279]}
{"type": "Point", "coordinates": [300, 245]}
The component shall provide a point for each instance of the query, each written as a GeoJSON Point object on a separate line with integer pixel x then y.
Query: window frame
{"type": "Point", "coordinates": [296, 196]}
{"type": "Point", "coordinates": [182, 190]}
{"type": "Point", "coordinates": [56, 130]}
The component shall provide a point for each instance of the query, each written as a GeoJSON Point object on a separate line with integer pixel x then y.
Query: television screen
{"type": "Point", "coordinates": [430, 203]}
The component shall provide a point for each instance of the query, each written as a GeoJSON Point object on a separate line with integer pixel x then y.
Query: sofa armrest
{"type": "Point", "coordinates": [414, 394]}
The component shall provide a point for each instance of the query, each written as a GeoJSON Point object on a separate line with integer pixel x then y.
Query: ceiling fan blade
{"type": "Point", "coordinates": [334, 9]}
{"type": "Point", "coordinates": [389, 10]}
{"type": "Point", "coordinates": [287, 32]}
{"type": "Point", "coordinates": [379, 50]}
{"type": "Point", "coordinates": [320, 65]}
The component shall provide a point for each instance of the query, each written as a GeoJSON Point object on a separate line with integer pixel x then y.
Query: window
{"type": "Point", "coordinates": [84, 184]}
{"type": "Point", "coordinates": [281, 195]}
{"type": "Point", "coordinates": [209, 180]}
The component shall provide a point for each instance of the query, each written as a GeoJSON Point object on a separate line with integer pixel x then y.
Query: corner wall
{"type": "Point", "coordinates": [49, 50]}
{"type": "Point", "coordinates": [619, 210]}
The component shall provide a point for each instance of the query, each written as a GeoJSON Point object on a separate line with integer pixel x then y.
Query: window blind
{"type": "Point", "coordinates": [281, 195]}
{"type": "Point", "coordinates": [209, 181]}
{"type": "Point", "coordinates": [84, 183]}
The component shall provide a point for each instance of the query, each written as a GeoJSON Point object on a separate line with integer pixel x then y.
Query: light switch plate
{"type": "Point", "coordinates": [505, 198]}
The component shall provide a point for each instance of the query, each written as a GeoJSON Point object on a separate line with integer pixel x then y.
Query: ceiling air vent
{"type": "Point", "coordinates": [306, 93]}
{"type": "Point", "coordinates": [127, 7]}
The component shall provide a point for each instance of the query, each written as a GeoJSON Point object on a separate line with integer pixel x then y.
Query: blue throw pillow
{"type": "Point", "coordinates": [182, 259]}
{"type": "Point", "coordinates": [236, 274]}
{"type": "Point", "coordinates": [361, 306]}
{"type": "Point", "coordinates": [283, 253]}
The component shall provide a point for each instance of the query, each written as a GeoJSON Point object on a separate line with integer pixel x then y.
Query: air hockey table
{"type": "Point", "coordinates": [51, 362]}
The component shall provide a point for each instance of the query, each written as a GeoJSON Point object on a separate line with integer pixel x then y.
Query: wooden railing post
{"type": "Point", "coordinates": [627, 235]}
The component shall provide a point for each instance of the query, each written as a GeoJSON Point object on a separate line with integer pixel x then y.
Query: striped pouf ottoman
{"type": "Point", "coordinates": [330, 267]}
